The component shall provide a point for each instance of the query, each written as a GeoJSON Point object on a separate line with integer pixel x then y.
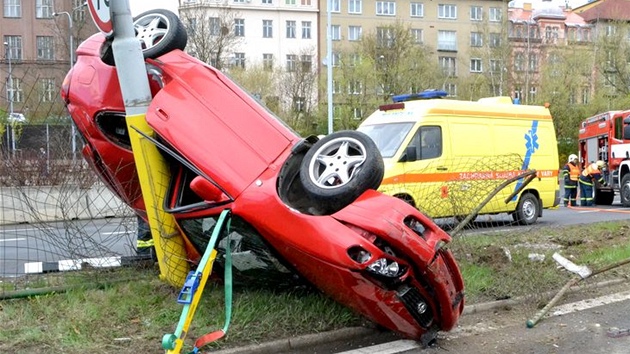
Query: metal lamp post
{"type": "Point", "coordinates": [71, 45]}
{"type": "Point", "coordinates": [8, 55]}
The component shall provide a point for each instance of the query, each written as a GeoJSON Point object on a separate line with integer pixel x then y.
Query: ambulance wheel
{"type": "Point", "coordinates": [625, 190]}
{"type": "Point", "coordinates": [527, 210]}
{"type": "Point", "coordinates": [339, 167]}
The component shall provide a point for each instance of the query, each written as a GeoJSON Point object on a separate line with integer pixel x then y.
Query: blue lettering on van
{"type": "Point", "coordinates": [531, 145]}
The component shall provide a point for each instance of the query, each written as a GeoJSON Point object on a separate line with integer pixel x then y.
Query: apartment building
{"type": "Point", "coordinates": [451, 29]}
{"type": "Point", "coordinates": [273, 33]}
{"type": "Point", "coordinates": [36, 37]}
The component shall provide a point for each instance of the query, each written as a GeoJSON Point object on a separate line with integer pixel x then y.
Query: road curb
{"type": "Point", "coordinates": [305, 341]}
{"type": "Point", "coordinates": [349, 333]}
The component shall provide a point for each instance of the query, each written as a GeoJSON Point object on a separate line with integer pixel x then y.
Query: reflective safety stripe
{"type": "Point", "coordinates": [145, 244]}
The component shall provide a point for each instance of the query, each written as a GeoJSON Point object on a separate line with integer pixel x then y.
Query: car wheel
{"type": "Point", "coordinates": [338, 168]}
{"type": "Point", "coordinates": [159, 32]}
{"type": "Point", "coordinates": [527, 209]}
{"type": "Point", "coordinates": [625, 190]}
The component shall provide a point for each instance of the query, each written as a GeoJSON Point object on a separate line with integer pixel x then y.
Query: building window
{"type": "Point", "coordinates": [355, 87]}
{"type": "Point", "coordinates": [476, 39]}
{"type": "Point", "coordinates": [451, 89]}
{"type": "Point", "coordinates": [476, 13]}
{"type": "Point", "coordinates": [78, 12]}
{"type": "Point", "coordinates": [305, 2]}
{"type": "Point", "coordinates": [609, 30]}
{"type": "Point", "coordinates": [533, 62]}
{"type": "Point", "coordinates": [15, 93]}
{"type": "Point", "coordinates": [48, 91]}
{"type": "Point", "coordinates": [267, 2]}
{"type": "Point", "coordinates": [447, 64]}
{"type": "Point", "coordinates": [335, 5]}
{"type": "Point", "coordinates": [532, 94]}
{"type": "Point", "coordinates": [586, 95]}
{"type": "Point", "coordinates": [336, 59]}
{"type": "Point", "coordinates": [494, 14]}
{"type": "Point", "coordinates": [44, 8]}
{"type": "Point", "coordinates": [447, 40]}
{"type": "Point", "coordinates": [447, 11]}
{"type": "Point", "coordinates": [336, 32]}
{"type": "Point", "coordinates": [494, 39]}
{"type": "Point", "coordinates": [45, 48]}
{"type": "Point", "coordinates": [355, 6]}
{"type": "Point", "coordinates": [496, 65]}
{"type": "Point", "coordinates": [268, 61]}
{"type": "Point", "coordinates": [355, 59]}
{"type": "Point", "coordinates": [267, 29]}
{"type": "Point", "coordinates": [354, 33]}
{"type": "Point", "coordinates": [239, 1]}
{"type": "Point", "coordinates": [239, 60]}
{"type": "Point", "coordinates": [307, 63]}
{"type": "Point", "coordinates": [239, 27]}
{"type": "Point", "coordinates": [306, 29]}
{"type": "Point", "coordinates": [387, 8]}
{"type": "Point", "coordinates": [417, 9]}
{"type": "Point", "coordinates": [416, 34]}
{"type": "Point", "coordinates": [475, 65]}
{"type": "Point", "coordinates": [357, 113]}
{"type": "Point", "coordinates": [299, 104]}
{"type": "Point", "coordinates": [291, 62]}
{"type": "Point", "coordinates": [289, 2]}
{"type": "Point", "coordinates": [214, 25]}
{"type": "Point", "coordinates": [291, 28]}
{"type": "Point", "coordinates": [14, 50]}
{"type": "Point", "coordinates": [384, 37]}
{"type": "Point", "coordinates": [519, 62]}
{"type": "Point", "coordinates": [12, 8]}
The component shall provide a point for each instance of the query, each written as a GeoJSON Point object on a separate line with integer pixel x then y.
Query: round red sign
{"type": "Point", "coordinates": [99, 9]}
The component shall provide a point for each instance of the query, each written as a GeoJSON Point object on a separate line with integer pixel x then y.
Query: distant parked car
{"type": "Point", "coordinates": [306, 206]}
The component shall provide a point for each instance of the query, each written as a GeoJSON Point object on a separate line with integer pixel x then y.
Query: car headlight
{"type": "Point", "coordinates": [385, 267]}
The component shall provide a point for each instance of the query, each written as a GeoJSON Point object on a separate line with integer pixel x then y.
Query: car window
{"type": "Point", "coordinates": [428, 142]}
{"type": "Point", "coordinates": [388, 137]}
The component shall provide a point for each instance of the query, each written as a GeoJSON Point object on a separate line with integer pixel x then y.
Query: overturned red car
{"type": "Point", "coordinates": [300, 206]}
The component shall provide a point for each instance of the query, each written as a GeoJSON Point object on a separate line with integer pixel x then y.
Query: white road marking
{"type": "Point", "coordinates": [401, 346]}
{"type": "Point", "coordinates": [12, 239]}
{"type": "Point", "coordinates": [398, 346]}
{"type": "Point", "coordinates": [590, 303]}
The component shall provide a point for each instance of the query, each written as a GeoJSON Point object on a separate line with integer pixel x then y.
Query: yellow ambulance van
{"type": "Point", "coordinates": [446, 156]}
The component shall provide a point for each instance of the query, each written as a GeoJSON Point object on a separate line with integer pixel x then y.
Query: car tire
{"type": "Point", "coordinates": [159, 31]}
{"type": "Point", "coordinates": [527, 210]}
{"type": "Point", "coordinates": [624, 194]}
{"type": "Point", "coordinates": [338, 168]}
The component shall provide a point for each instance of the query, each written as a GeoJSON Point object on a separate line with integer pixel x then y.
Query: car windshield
{"type": "Point", "coordinates": [387, 137]}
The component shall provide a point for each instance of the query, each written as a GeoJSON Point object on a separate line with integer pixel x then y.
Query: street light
{"type": "Point", "coordinates": [8, 55]}
{"type": "Point", "coordinates": [70, 33]}
{"type": "Point", "coordinates": [70, 26]}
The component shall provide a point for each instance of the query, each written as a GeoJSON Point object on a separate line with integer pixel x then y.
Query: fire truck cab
{"type": "Point", "coordinates": [606, 137]}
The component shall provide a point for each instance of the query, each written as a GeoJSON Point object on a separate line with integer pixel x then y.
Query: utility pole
{"type": "Point", "coordinates": [8, 55]}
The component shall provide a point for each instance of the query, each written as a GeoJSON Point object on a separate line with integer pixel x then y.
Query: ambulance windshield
{"type": "Point", "coordinates": [388, 137]}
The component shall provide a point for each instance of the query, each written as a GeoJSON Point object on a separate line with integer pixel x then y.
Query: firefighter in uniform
{"type": "Point", "coordinates": [571, 173]}
{"type": "Point", "coordinates": [592, 174]}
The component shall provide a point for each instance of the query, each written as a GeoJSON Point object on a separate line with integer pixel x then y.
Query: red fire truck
{"type": "Point", "coordinates": [606, 137]}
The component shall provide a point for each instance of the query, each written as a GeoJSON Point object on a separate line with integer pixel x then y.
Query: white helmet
{"type": "Point", "coordinates": [573, 157]}
{"type": "Point", "coordinates": [600, 164]}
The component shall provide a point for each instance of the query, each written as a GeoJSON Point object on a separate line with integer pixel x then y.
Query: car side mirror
{"type": "Point", "coordinates": [409, 155]}
{"type": "Point", "coordinates": [207, 190]}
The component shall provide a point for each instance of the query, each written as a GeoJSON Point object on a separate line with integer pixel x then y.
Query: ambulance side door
{"type": "Point", "coordinates": [425, 165]}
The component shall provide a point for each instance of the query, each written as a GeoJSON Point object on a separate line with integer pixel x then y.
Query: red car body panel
{"type": "Point", "coordinates": [234, 132]}
{"type": "Point", "coordinates": [228, 136]}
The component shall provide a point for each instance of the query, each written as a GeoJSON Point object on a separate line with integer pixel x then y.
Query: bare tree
{"type": "Point", "coordinates": [212, 31]}
{"type": "Point", "coordinates": [298, 87]}
{"type": "Point", "coordinates": [401, 64]}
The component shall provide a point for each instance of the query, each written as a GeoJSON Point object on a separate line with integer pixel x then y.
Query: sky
{"type": "Point", "coordinates": [139, 6]}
